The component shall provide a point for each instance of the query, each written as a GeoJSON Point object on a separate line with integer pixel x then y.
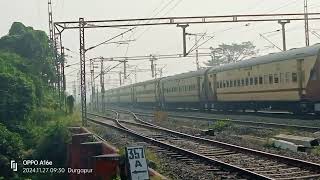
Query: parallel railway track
{"type": "Point", "coordinates": [251, 163]}
{"type": "Point", "coordinates": [241, 122]}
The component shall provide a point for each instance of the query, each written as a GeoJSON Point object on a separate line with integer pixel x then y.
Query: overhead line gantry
{"type": "Point", "coordinates": [178, 21]}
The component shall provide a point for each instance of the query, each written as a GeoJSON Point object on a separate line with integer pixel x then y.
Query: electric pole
{"type": "Point", "coordinates": [97, 101]}
{"type": "Point", "coordinates": [102, 86]}
{"type": "Point", "coordinates": [50, 21]}
{"type": "Point", "coordinates": [74, 89]}
{"type": "Point", "coordinates": [197, 53]}
{"type": "Point", "coordinates": [306, 22]}
{"type": "Point", "coordinates": [152, 59]}
{"type": "Point", "coordinates": [124, 69]}
{"type": "Point", "coordinates": [184, 26]}
{"type": "Point", "coordinates": [155, 71]}
{"type": "Point", "coordinates": [120, 78]}
{"type": "Point", "coordinates": [83, 72]}
{"type": "Point", "coordinates": [135, 74]}
{"type": "Point", "coordinates": [92, 83]}
{"type": "Point", "coordinates": [63, 77]}
{"type": "Point", "coordinates": [283, 24]}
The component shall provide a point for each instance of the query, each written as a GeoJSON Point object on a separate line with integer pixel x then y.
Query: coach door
{"type": "Point", "coordinates": [213, 87]}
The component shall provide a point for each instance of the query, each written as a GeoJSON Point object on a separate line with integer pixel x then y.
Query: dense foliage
{"type": "Point", "coordinates": [26, 71]}
{"type": "Point", "coordinates": [31, 125]}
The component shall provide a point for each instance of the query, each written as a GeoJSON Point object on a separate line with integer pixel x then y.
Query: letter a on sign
{"type": "Point", "coordinates": [137, 163]}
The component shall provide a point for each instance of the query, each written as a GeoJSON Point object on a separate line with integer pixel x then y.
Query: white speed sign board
{"type": "Point", "coordinates": [138, 167]}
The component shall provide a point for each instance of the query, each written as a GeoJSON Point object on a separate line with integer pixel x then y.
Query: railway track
{"type": "Point", "coordinates": [251, 163]}
{"type": "Point", "coordinates": [241, 122]}
{"type": "Point", "coordinates": [178, 155]}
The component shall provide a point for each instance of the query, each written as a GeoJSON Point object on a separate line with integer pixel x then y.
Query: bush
{"type": "Point", "coordinates": [316, 151]}
{"type": "Point", "coordinates": [11, 147]}
{"type": "Point", "coordinates": [220, 125]}
{"type": "Point", "coordinates": [53, 144]}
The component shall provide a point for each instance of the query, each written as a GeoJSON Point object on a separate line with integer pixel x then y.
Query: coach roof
{"type": "Point", "coordinates": [185, 75]}
{"type": "Point", "coordinates": [296, 53]}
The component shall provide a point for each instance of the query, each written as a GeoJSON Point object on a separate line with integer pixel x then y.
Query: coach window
{"type": "Point", "coordinates": [224, 83]}
{"type": "Point", "coordinates": [227, 83]}
{"type": "Point", "coordinates": [294, 77]}
{"type": "Point", "coordinates": [251, 81]}
{"type": "Point", "coordinates": [220, 84]}
{"type": "Point", "coordinates": [287, 77]}
{"type": "Point", "coordinates": [247, 81]}
{"type": "Point", "coordinates": [270, 79]}
{"type": "Point", "coordinates": [255, 80]}
{"type": "Point", "coordinates": [276, 78]}
{"type": "Point", "coordinates": [235, 83]}
{"type": "Point", "coordinates": [231, 83]}
{"type": "Point", "coordinates": [265, 79]}
{"type": "Point", "coordinates": [260, 80]}
{"type": "Point", "coordinates": [242, 82]}
{"type": "Point", "coordinates": [281, 78]}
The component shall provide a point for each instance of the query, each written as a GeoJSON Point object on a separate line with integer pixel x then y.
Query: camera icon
{"type": "Point", "coordinates": [14, 165]}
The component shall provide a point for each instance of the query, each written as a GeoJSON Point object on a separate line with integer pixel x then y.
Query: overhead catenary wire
{"type": "Point", "coordinates": [110, 39]}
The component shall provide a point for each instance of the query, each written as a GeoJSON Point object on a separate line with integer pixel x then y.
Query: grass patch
{"type": "Point", "coordinates": [220, 125]}
{"type": "Point", "coordinates": [316, 151]}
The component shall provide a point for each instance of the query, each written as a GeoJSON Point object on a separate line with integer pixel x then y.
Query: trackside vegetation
{"type": "Point", "coordinates": [32, 126]}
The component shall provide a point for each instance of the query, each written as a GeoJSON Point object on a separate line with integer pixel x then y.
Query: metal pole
{"type": "Point", "coordinates": [306, 22]}
{"type": "Point", "coordinates": [283, 24]}
{"type": "Point", "coordinates": [102, 86]}
{"type": "Point", "coordinates": [152, 65]}
{"type": "Point", "coordinates": [155, 71]}
{"type": "Point", "coordinates": [125, 69]}
{"type": "Point", "coordinates": [57, 63]}
{"type": "Point", "coordinates": [63, 78]}
{"type": "Point", "coordinates": [184, 26]}
{"type": "Point", "coordinates": [135, 74]}
{"type": "Point", "coordinates": [83, 72]}
{"type": "Point", "coordinates": [50, 21]}
{"type": "Point", "coordinates": [97, 101]}
{"type": "Point", "coordinates": [92, 83]}
{"type": "Point", "coordinates": [120, 78]}
{"type": "Point", "coordinates": [197, 53]}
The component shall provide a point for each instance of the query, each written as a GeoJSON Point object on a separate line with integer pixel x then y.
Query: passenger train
{"type": "Point", "coordinates": [288, 80]}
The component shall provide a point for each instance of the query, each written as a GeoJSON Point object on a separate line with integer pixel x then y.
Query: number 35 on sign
{"type": "Point", "coordinates": [137, 163]}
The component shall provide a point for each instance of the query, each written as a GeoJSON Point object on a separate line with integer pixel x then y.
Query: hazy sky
{"type": "Point", "coordinates": [159, 39]}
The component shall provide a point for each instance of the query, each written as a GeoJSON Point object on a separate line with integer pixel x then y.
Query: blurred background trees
{"type": "Point", "coordinates": [225, 53]}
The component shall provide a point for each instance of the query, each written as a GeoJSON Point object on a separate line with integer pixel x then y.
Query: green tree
{"type": "Point", "coordinates": [33, 45]}
{"type": "Point", "coordinates": [226, 54]}
{"type": "Point", "coordinates": [17, 97]}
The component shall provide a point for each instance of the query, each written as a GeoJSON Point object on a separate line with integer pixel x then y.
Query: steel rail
{"type": "Point", "coordinates": [287, 160]}
{"type": "Point", "coordinates": [238, 121]}
{"type": "Point", "coordinates": [243, 172]}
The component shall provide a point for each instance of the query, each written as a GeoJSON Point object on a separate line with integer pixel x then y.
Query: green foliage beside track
{"type": "Point", "coordinates": [31, 125]}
